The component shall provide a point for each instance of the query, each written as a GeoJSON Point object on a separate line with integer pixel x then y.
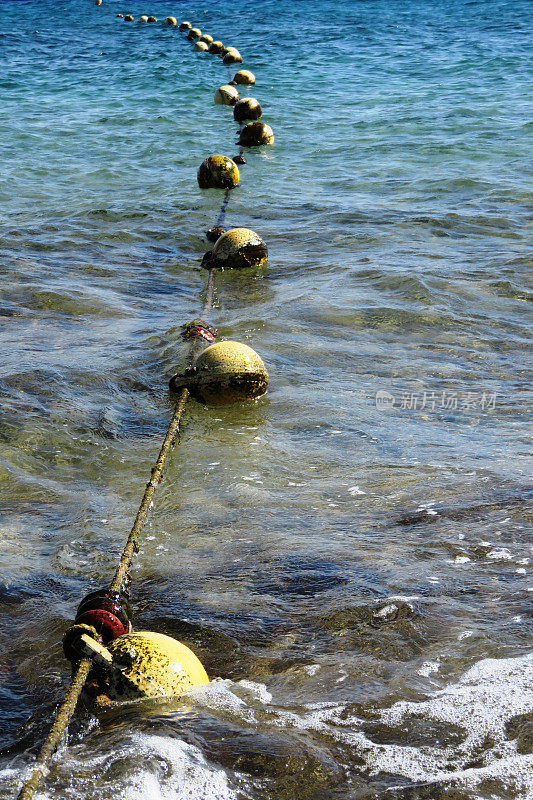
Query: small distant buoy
{"type": "Point", "coordinates": [216, 48]}
{"type": "Point", "coordinates": [128, 18]}
{"type": "Point", "coordinates": [244, 77]}
{"type": "Point", "coordinates": [239, 248]}
{"type": "Point", "coordinates": [232, 56]}
{"type": "Point", "coordinates": [205, 37]}
{"type": "Point", "coordinates": [170, 21]}
{"type": "Point", "coordinates": [185, 26]}
{"type": "Point", "coordinates": [214, 233]}
{"type": "Point", "coordinates": [121, 16]}
{"type": "Point", "coordinates": [239, 159]}
{"type": "Point", "coordinates": [152, 19]}
{"type": "Point", "coordinates": [218, 172]}
{"type": "Point", "coordinates": [193, 34]}
{"type": "Point", "coordinates": [144, 18]}
{"type": "Point", "coordinates": [224, 373]}
{"type": "Point", "coordinates": [256, 134]}
{"type": "Point", "coordinates": [199, 45]}
{"type": "Point", "coordinates": [98, 2]}
{"type": "Point", "coordinates": [226, 95]}
{"type": "Point", "coordinates": [151, 665]}
{"type": "Point", "coordinates": [247, 108]}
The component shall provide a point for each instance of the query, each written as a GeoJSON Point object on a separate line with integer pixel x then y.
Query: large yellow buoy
{"type": "Point", "coordinates": [144, 18]}
{"type": "Point", "coordinates": [226, 95]}
{"type": "Point", "coordinates": [247, 108]}
{"type": "Point", "coordinates": [185, 26]}
{"type": "Point", "coordinates": [244, 77]}
{"type": "Point", "coordinates": [232, 56]}
{"type": "Point", "coordinates": [207, 38]}
{"type": "Point", "coordinates": [152, 19]}
{"type": "Point", "coordinates": [238, 248]}
{"type": "Point", "coordinates": [201, 46]}
{"type": "Point", "coordinates": [216, 48]}
{"type": "Point", "coordinates": [218, 172]}
{"type": "Point", "coordinates": [193, 34]}
{"type": "Point", "coordinates": [128, 18]}
{"type": "Point", "coordinates": [224, 373]}
{"type": "Point", "coordinates": [255, 134]}
{"type": "Point", "coordinates": [152, 665]}
{"type": "Point", "coordinates": [170, 21]}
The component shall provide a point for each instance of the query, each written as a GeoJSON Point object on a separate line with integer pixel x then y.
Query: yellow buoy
{"type": "Point", "coordinates": [152, 19]}
{"type": "Point", "coordinates": [205, 37]}
{"type": "Point", "coordinates": [98, 2]}
{"type": "Point", "coordinates": [201, 46]}
{"type": "Point", "coordinates": [193, 34]}
{"type": "Point", "coordinates": [170, 21]}
{"type": "Point", "coordinates": [244, 77]}
{"type": "Point", "coordinates": [144, 18]}
{"type": "Point", "coordinates": [255, 134]}
{"type": "Point", "coordinates": [226, 95]}
{"type": "Point", "coordinates": [225, 373]}
{"type": "Point", "coordinates": [247, 108]}
{"type": "Point", "coordinates": [232, 56]}
{"type": "Point", "coordinates": [121, 16]}
{"type": "Point", "coordinates": [128, 18]}
{"type": "Point", "coordinates": [238, 248]}
{"type": "Point", "coordinates": [218, 172]}
{"type": "Point", "coordinates": [185, 26]}
{"type": "Point", "coordinates": [152, 665]}
{"type": "Point", "coordinates": [216, 48]}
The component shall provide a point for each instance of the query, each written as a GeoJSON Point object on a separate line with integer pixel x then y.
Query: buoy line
{"type": "Point", "coordinates": [216, 374]}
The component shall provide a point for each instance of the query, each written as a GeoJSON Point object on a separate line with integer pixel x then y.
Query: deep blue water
{"type": "Point", "coordinates": [340, 558]}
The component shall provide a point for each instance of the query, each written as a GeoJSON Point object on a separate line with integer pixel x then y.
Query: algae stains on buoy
{"type": "Point", "coordinates": [244, 77]}
{"type": "Point", "coordinates": [225, 373]}
{"type": "Point", "coordinates": [238, 248]}
{"type": "Point", "coordinates": [201, 46]}
{"type": "Point", "coordinates": [255, 134]}
{"type": "Point", "coordinates": [144, 18]}
{"type": "Point", "coordinates": [193, 34]}
{"type": "Point", "coordinates": [170, 21]}
{"type": "Point", "coordinates": [247, 108]}
{"type": "Point", "coordinates": [207, 38]}
{"type": "Point", "coordinates": [226, 95]}
{"type": "Point", "coordinates": [218, 172]}
{"type": "Point", "coordinates": [232, 56]}
{"type": "Point", "coordinates": [128, 18]}
{"type": "Point", "coordinates": [216, 48]}
{"type": "Point", "coordinates": [152, 665]}
{"type": "Point", "coordinates": [185, 26]}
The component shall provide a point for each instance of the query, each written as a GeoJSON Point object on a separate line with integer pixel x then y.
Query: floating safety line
{"type": "Point", "coordinates": [66, 709]}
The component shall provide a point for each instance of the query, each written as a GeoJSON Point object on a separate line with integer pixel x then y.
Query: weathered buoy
{"type": "Point", "coordinates": [152, 19]}
{"type": "Point", "coordinates": [244, 77]}
{"type": "Point", "coordinates": [247, 108]}
{"type": "Point", "coordinates": [218, 172]}
{"type": "Point", "coordinates": [216, 48]}
{"type": "Point", "coordinates": [144, 18]}
{"type": "Point", "coordinates": [232, 56]}
{"type": "Point", "coordinates": [199, 45]}
{"type": "Point", "coordinates": [193, 34]}
{"type": "Point", "coordinates": [170, 21]}
{"type": "Point", "coordinates": [224, 373]}
{"type": "Point", "coordinates": [128, 18]}
{"type": "Point", "coordinates": [255, 134]}
{"type": "Point", "coordinates": [226, 95]}
{"type": "Point", "coordinates": [238, 248]}
{"type": "Point", "coordinates": [151, 665]}
{"type": "Point", "coordinates": [185, 26]}
{"type": "Point", "coordinates": [207, 38]}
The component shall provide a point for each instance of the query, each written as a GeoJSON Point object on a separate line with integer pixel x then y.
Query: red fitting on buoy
{"type": "Point", "coordinates": [198, 327]}
{"type": "Point", "coordinates": [106, 624]}
{"type": "Point", "coordinates": [108, 612]}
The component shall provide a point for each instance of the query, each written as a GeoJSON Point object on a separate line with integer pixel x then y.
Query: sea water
{"type": "Point", "coordinates": [350, 555]}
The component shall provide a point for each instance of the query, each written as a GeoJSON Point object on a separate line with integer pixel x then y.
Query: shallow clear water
{"type": "Point", "coordinates": [357, 573]}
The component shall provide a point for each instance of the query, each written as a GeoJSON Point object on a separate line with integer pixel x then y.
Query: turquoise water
{"type": "Point", "coordinates": [356, 570]}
